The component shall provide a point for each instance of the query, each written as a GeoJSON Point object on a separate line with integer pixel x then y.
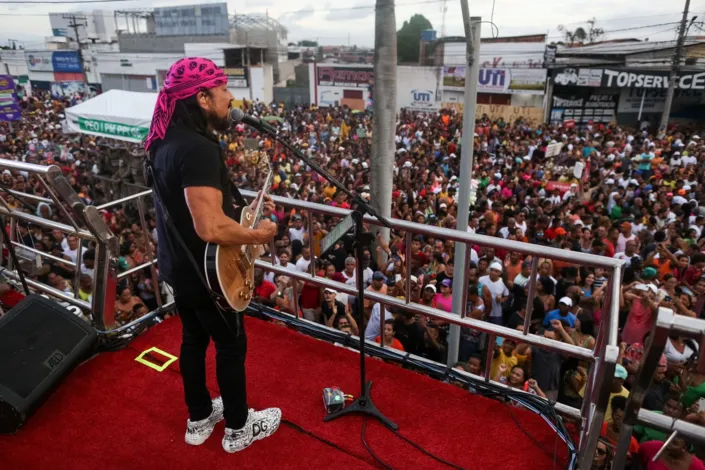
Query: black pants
{"type": "Point", "coordinates": [201, 322]}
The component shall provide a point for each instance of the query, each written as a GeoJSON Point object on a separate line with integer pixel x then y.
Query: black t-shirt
{"type": "Point", "coordinates": [327, 311]}
{"type": "Point", "coordinates": [185, 159]}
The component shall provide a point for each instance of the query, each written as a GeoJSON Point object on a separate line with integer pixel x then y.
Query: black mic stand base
{"type": "Point", "coordinates": [363, 405]}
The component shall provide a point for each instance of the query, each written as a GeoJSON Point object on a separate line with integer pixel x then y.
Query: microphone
{"type": "Point", "coordinates": [237, 116]}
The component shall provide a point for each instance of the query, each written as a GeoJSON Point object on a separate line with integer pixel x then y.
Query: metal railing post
{"type": "Point", "coordinates": [148, 251]}
{"type": "Point", "coordinates": [532, 294]}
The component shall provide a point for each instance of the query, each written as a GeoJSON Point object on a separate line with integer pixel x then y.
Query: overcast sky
{"type": "Point", "coordinates": [333, 23]}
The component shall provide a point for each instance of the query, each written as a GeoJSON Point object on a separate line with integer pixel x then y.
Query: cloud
{"type": "Point", "coordinates": [356, 12]}
{"type": "Point", "coordinates": [295, 16]}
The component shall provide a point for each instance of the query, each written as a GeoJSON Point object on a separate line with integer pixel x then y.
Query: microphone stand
{"type": "Point", "coordinates": [363, 404]}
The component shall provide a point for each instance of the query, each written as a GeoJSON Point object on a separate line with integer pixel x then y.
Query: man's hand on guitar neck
{"type": "Point", "coordinates": [268, 203]}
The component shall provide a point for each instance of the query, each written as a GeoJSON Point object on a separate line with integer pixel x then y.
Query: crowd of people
{"type": "Point", "coordinates": [634, 194]}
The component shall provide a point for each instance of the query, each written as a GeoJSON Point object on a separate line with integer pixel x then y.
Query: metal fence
{"type": "Point", "coordinates": [87, 223]}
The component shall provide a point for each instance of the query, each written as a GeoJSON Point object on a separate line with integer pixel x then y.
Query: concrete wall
{"type": "Point", "coordinates": [151, 43]}
{"type": "Point", "coordinates": [134, 64]}
{"type": "Point", "coordinates": [292, 96]}
{"type": "Point", "coordinates": [287, 70]}
{"type": "Point", "coordinates": [13, 63]}
{"type": "Point", "coordinates": [261, 83]}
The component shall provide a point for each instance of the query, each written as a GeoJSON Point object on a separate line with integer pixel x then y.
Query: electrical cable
{"type": "Point", "coordinates": [369, 449]}
{"type": "Point", "coordinates": [435, 457]}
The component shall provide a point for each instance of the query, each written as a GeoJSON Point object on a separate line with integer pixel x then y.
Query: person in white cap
{"type": "Point", "coordinates": [561, 313]}
{"type": "Point", "coordinates": [493, 281]}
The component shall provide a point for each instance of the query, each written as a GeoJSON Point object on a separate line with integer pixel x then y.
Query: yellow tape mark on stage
{"type": "Point", "coordinates": [159, 368]}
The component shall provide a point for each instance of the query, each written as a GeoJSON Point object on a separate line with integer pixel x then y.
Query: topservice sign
{"type": "Point", "coordinates": [53, 61]}
{"type": "Point", "coordinates": [628, 79]}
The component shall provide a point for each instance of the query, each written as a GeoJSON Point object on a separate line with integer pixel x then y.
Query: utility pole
{"type": "Point", "coordinates": [472, 69]}
{"type": "Point", "coordinates": [74, 24]}
{"type": "Point", "coordinates": [384, 108]}
{"type": "Point", "coordinates": [675, 68]}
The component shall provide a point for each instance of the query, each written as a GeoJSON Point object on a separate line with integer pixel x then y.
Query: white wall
{"type": "Point", "coordinates": [498, 55]}
{"type": "Point", "coordinates": [212, 51]}
{"type": "Point", "coordinates": [134, 64]}
{"type": "Point", "coordinates": [417, 88]}
{"type": "Point", "coordinates": [533, 101]}
{"type": "Point", "coordinates": [257, 83]}
{"type": "Point", "coordinates": [268, 87]}
{"type": "Point", "coordinates": [13, 62]}
{"type": "Point", "coordinates": [41, 76]}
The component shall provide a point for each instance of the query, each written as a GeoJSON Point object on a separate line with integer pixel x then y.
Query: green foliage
{"type": "Point", "coordinates": [409, 36]}
{"type": "Point", "coordinates": [307, 43]}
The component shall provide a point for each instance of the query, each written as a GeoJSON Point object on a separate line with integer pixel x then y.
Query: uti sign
{"type": "Point", "coordinates": [492, 79]}
{"type": "Point", "coordinates": [422, 99]}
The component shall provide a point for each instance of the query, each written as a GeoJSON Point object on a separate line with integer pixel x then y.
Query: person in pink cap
{"type": "Point", "coordinates": [195, 204]}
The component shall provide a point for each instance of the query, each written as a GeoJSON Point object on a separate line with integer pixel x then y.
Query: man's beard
{"type": "Point", "coordinates": [217, 123]}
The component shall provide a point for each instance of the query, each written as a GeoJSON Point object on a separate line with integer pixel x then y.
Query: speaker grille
{"type": "Point", "coordinates": [33, 342]}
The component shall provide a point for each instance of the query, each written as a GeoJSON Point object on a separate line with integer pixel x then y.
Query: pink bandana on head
{"type": "Point", "coordinates": [185, 78]}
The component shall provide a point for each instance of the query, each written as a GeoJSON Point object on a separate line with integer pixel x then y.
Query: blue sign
{"type": "Point", "coordinates": [9, 109]}
{"type": "Point", "coordinates": [66, 61]}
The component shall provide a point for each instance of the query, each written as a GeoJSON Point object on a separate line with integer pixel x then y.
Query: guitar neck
{"type": "Point", "coordinates": [260, 202]}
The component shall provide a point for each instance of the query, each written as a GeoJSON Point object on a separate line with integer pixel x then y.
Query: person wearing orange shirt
{"type": "Point", "coordinates": [389, 339]}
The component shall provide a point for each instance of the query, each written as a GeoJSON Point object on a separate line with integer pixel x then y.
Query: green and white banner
{"type": "Point", "coordinates": [115, 114]}
{"type": "Point", "coordinates": [113, 129]}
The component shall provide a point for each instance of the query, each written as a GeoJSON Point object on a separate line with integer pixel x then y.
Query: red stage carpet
{"type": "Point", "coordinates": [115, 413]}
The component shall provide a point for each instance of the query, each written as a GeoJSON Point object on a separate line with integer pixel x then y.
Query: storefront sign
{"type": "Point", "coordinates": [53, 61]}
{"type": "Point", "coordinates": [610, 78]}
{"type": "Point", "coordinates": [113, 129]}
{"type": "Point", "coordinates": [631, 100]}
{"type": "Point", "coordinates": [506, 81]}
{"type": "Point", "coordinates": [237, 77]}
{"type": "Point", "coordinates": [345, 77]}
{"type": "Point", "coordinates": [9, 109]}
{"type": "Point", "coordinates": [583, 107]}
{"type": "Point", "coordinates": [66, 61]}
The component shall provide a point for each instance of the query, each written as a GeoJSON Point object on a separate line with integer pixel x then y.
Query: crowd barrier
{"type": "Point", "coordinates": [87, 223]}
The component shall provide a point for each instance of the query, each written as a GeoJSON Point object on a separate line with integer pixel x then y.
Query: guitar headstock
{"type": "Point", "coordinates": [260, 160]}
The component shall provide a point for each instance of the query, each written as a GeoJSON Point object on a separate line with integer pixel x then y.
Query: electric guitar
{"type": "Point", "coordinates": [230, 269]}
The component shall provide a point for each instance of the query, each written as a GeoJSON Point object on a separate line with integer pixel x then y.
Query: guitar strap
{"type": "Point", "coordinates": [153, 183]}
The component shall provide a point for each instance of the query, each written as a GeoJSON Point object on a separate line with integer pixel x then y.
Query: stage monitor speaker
{"type": "Point", "coordinates": [41, 342]}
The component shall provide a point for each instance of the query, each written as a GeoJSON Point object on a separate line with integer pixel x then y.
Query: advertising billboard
{"type": "Point", "coordinates": [416, 88]}
{"type": "Point", "coordinates": [53, 61]}
{"type": "Point", "coordinates": [337, 85]}
{"type": "Point", "coordinates": [9, 109]}
{"type": "Point", "coordinates": [505, 81]}
{"type": "Point", "coordinates": [610, 78]}
{"type": "Point", "coordinates": [198, 20]}
{"type": "Point", "coordinates": [237, 77]}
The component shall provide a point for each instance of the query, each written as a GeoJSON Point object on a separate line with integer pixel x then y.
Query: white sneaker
{"type": "Point", "coordinates": [197, 432]}
{"type": "Point", "coordinates": [259, 424]}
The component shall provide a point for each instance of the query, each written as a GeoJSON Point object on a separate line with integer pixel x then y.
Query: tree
{"type": "Point", "coordinates": [580, 35]}
{"type": "Point", "coordinates": [409, 37]}
{"type": "Point", "coordinates": [307, 43]}
{"type": "Point", "coordinates": [594, 34]}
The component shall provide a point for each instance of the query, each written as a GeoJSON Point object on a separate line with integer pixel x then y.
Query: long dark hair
{"type": "Point", "coordinates": [188, 113]}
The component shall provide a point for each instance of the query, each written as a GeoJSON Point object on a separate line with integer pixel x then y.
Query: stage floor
{"type": "Point", "coordinates": [116, 413]}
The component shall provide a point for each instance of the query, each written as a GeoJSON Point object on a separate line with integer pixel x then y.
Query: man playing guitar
{"type": "Point", "coordinates": [195, 205]}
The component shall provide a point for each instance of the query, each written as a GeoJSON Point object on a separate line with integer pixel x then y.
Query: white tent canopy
{"type": "Point", "coordinates": [117, 114]}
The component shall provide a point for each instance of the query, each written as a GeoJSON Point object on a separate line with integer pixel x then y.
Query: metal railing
{"type": "Point", "coordinates": [602, 358]}
{"type": "Point", "coordinates": [667, 323]}
{"type": "Point", "coordinates": [86, 223]}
